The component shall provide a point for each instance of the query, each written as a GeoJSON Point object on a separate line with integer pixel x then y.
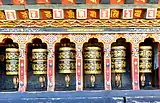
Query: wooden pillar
{"type": "Point", "coordinates": [159, 65]}
{"type": "Point", "coordinates": [51, 67]}
{"type": "Point", "coordinates": [22, 67]}
{"type": "Point", "coordinates": [79, 67]}
{"type": "Point", "coordinates": [107, 66]}
{"type": "Point", "coordinates": [135, 65]}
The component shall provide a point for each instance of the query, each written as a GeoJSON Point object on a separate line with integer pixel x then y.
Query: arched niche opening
{"type": "Point", "coordinates": [121, 65]}
{"type": "Point", "coordinates": [148, 64]}
{"type": "Point", "coordinates": [9, 63]}
{"type": "Point", "coordinates": [65, 60]}
{"type": "Point", "coordinates": [93, 60]}
{"type": "Point", "coordinates": [37, 65]}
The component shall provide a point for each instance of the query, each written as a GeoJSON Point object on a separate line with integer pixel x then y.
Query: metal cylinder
{"type": "Point", "coordinates": [92, 60]}
{"type": "Point", "coordinates": [39, 64]}
{"type": "Point", "coordinates": [118, 60]}
{"type": "Point", "coordinates": [12, 61]}
{"type": "Point", "coordinates": [145, 64]}
{"type": "Point", "coordinates": [67, 59]}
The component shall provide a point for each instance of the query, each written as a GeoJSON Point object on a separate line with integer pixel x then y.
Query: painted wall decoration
{"type": "Point", "coordinates": [48, 14]}
{"type": "Point", "coordinates": [22, 26]}
{"type": "Point", "coordinates": [106, 39]}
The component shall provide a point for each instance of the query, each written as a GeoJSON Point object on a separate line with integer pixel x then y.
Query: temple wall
{"type": "Point", "coordinates": [79, 40]}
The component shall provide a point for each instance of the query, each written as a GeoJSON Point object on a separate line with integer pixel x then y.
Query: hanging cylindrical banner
{"type": "Point", "coordinates": [39, 57]}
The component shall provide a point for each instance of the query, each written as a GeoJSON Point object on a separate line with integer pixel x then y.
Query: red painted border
{"type": "Point", "coordinates": [50, 74]}
{"type": "Point", "coordinates": [136, 74]}
{"type": "Point", "coordinates": [108, 75]}
{"type": "Point", "coordinates": [78, 74]}
{"type": "Point", "coordinates": [21, 76]}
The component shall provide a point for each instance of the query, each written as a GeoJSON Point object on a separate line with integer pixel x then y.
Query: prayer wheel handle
{"type": "Point", "coordinates": [2, 58]}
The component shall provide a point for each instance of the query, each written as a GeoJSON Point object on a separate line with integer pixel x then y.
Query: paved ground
{"type": "Point", "coordinates": [114, 96]}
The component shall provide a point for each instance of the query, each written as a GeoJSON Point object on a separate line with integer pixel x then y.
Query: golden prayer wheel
{"type": "Point", "coordinates": [67, 60]}
{"type": "Point", "coordinates": [145, 64]}
{"type": "Point", "coordinates": [118, 63]}
{"type": "Point", "coordinates": [12, 61]}
{"type": "Point", "coordinates": [12, 64]}
{"type": "Point", "coordinates": [39, 63]}
{"type": "Point", "coordinates": [92, 61]}
{"type": "Point", "coordinates": [39, 58]}
{"type": "Point", "coordinates": [118, 59]}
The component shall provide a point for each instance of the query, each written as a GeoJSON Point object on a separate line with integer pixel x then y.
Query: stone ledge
{"type": "Point", "coordinates": [112, 96]}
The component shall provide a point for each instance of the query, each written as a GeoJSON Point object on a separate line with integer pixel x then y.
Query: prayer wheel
{"type": "Point", "coordinates": [93, 61]}
{"type": "Point", "coordinates": [67, 61]}
{"type": "Point", "coordinates": [118, 59]}
{"type": "Point", "coordinates": [145, 64]}
{"type": "Point", "coordinates": [12, 61]}
{"type": "Point", "coordinates": [118, 63]}
{"type": "Point", "coordinates": [39, 58]}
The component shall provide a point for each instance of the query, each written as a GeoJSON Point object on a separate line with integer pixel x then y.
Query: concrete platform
{"type": "Point", "coordinates": [114, 96]}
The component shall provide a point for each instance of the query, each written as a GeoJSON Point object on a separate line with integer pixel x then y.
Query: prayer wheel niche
{"type": "Point", "coordinates": [145, 63]}
{"type": "Point", "coordinates": [67, 59]}
{"type": "Point", "coordinates": [93, 60]}
{"type": "Point", "coordinates": [39, 62]}
{"type": "Point", "coordinates": [12, 62]}
{"type": "Point", "coordinates": [121, 64]}
{"type": "Point", "coordinates": [118, 62]}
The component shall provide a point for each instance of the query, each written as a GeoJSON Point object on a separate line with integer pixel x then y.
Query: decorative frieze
{"type": "Point", "coordinates": [84, 13]}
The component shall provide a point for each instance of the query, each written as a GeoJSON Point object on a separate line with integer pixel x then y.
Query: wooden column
{"type": "Point", "coordinates": [159, 65]}
{"type": "Point", "coordinates": [135, 65]}
{"type": "Point", "coordinates": [107, 66]}
{"type": "Point", "coordinates": [22, 67]}
{"type": "Point", "coordinates": [79, 67]}
{"type": "Point", "coordinates": [51, 67]}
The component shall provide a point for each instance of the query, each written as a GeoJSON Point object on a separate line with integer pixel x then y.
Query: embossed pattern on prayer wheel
{"type": "Point", "coordinates": [92, 60]}
{"type": "Point", "coordinates": [118, 60]}
{"type": "Point", "coordinates": [145, 57]}
{"type": "Point", "coordinates": [67, 61]}
{"type": "Point", "coordinates": [12, 61]}
{"type": "Point", "coordinates": [39, 57]}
